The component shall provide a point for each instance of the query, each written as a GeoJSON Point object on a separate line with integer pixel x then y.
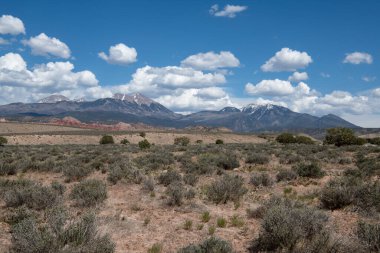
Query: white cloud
{"type": "Point", "coordinates": [211, 61]}
{"type": "Point", "coordinates": [4, 42]}
{"type": "Point", "coordinates": [47, 46]}
{"type": "Point", "coordinates": [44, 79]}
{"type": "Point", "coordinates": [287, 60]}
{"type": "Point", "coordinates": [301, 98]}
{"type": "Point", "coordinates": [275, 88]}
{"type": "Point", "coordinates": [229, 11]}
{"type": "Point", "coordinates": [376, 92]}
{"type": "Point", "coordinates": [369, 78]}
{"type": "Point", "coordinates": [12, 62]}
{"type": "Point", "coordinates": [154, 80]}
{"type": "Point", "coordinates": [358, 58]}
{"type": "Point", "coordinates": [181, 89]}
{"type": "Point", "coordinates": [211, 92]}
{"type": "Point", "coordinates": [120, 54]}
{"type": "Point", "coordinates": [298, 77]}
{"type": "Point", "coordinates": [11, 25]}
{"type": "Point", "coordinates": [185, 100]}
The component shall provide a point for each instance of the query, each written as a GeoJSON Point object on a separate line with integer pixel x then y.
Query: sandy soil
{"type": "Point", "coordinates": [18, 128]}
{"type": "Point", "coordinates": [34, 134]}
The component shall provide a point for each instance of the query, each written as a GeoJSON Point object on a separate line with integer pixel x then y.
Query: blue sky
{"type": "Point", "coordinates": [194, 55]}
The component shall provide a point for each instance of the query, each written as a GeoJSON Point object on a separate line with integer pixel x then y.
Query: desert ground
{"type": "Point", "coordinates": [39, 134]}
{"type": "Point", "coordinates": [252, 193]}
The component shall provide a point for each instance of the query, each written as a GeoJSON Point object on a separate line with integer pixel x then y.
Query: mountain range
{"type": "Point", "coordinates": [137, 108]}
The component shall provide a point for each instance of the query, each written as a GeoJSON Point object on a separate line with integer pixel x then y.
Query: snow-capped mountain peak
{"type": "Point", "coordinates": [136, 98]}
{"type": "Point", "coordinates": [252, 108]}
{"type": "Point", "coordinates": [53, 99]}
{"type": "Point", "coordinates": [230, 109]}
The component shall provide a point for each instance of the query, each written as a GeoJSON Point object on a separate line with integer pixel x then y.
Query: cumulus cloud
{"type": "Point", "coordinates": [185, 100]}
{"type": "Point", "coordinates": [298, 77]}
{"type": "Point", "coordinates": [53, 77]}
{"type": "Point", "coordinates": [275, 88]}
{"type": "Point", "coordinates": [11, 25]}
{"type": "Point", "coordinates": [154, 80]}
{"type": "Point", "coordinates": [358, 58]}
{"type": "Point", "coordinates": [229, 11]}
{"type": "Point", "coordinates": [302, 98]}
{"type": "Point", "coordinates": [48, 46]}
{"type": "Point", "coordinates": [376, 92]}
{"type": "Point", "coordinates": [287, 60]}
{"type": "Point", "coordinates": [211, 61]}
{"type": "Point", "coordinates": [182, 89]}
{"type": "Point", "coordinates": [120, 54]}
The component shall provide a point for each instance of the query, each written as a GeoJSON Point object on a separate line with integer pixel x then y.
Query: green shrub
{"type": "Point", "coordinates": [257, 159]}
{"type": "Point", "coordinates": [221, 222]}
{"type": "Point", "coordinates": [360, 141]}
{"type": "Point", "coordinates": [34, 196]}
{"type": "Point", "coordinates": [169, 177]}
{"type": "Point", "coordinates": [199, 141]}
{"type": "Point", "coordinates": [190, 179]}
{"type": "Point", "coordinates": [227, 161]}
{"type": "Point", "coordinates": [115, 174]}
{"type": "Point", "coordinates": [209, 162]}
{"type": "Point", "coordinates": [156, 248]}
{"type": "Point", "coordinates": [188, 225]}
{"type": "Point", "coordinates": [124, 141]}
{"type": "Point", "coordinates": [19, 214]}
{"type": "Point", "coordinates": [287, 225]}
{"type": "Point", "coordinates": [142, 134]}
{"type": "Point", "coordinates": [58, 235]}
{"type": "Point", "coordinates": [228, 188]}
{"type": "Point", "coordinates": [155, 160]}
{"type": "Point", "coordinates": [89, 193]}
{"type": "Point", "coordinates": [286, 138]}
{"type": "Point", "coordinates": [148, 184]}
{"type": "Point", "coordinates": [175, 193]}
{"type": "Point", "coordinates": [182, 141]}
{"type": "Point", "coordinates": [256, 213]}
{"type": "Point", "coordinates": [367, 196]}
{"type": "Point", "coordinates": [369, 235]}
{"type": "Point", "coordinates": [261, 179]}
{"type": "Point", "coordinates": [368, 166]}
{"type": "Point", "coordinates": [236, 221]}
{"type": "Point", "coordinates": [144, 144]}
{"type": "Point", "coordinates": [7, 169]}
{"type": "Point", "coordinates": [206, 217]}
{"type": "Point", "coordinates": [58, 187]}
{"type": "Point", "coordinates": [340, 137]}
{"type": "Point", "coordinates": [211, 245]}
{"type": "Point", "coordinates": [311, 170]}
{"type": "Point", "coordinates": [337, 193]}
{"type": "Point", "coordinates": [286, 175]}
{"type": "Point", "coordinates": [219, 142]}
{"type": "Point", "coordinates": [374, 141]}
{"type": "Point", "coordinates": [3, 141]}
{"type": "Point", "coordinates": [301, 139]}
{"type": "Point", "coordinates": [106, 139]}
{"type": "Point", "coordinates": [75, 172]}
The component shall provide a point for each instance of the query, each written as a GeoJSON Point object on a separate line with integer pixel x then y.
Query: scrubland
{"type": "Point", "coordinates": [189, 197]}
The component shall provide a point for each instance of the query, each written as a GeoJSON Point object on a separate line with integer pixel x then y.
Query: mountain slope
{"type": "Point", "coordinates": [137, 108]}
{"type": "Point", "coordinates": [265, 118]}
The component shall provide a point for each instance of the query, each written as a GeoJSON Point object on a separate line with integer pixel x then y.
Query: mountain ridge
{"type": "Point", "coordinates": [136, 108]}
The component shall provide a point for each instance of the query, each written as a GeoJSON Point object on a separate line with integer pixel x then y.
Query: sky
{"type": "Point", "coordinates": [315, 56]}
